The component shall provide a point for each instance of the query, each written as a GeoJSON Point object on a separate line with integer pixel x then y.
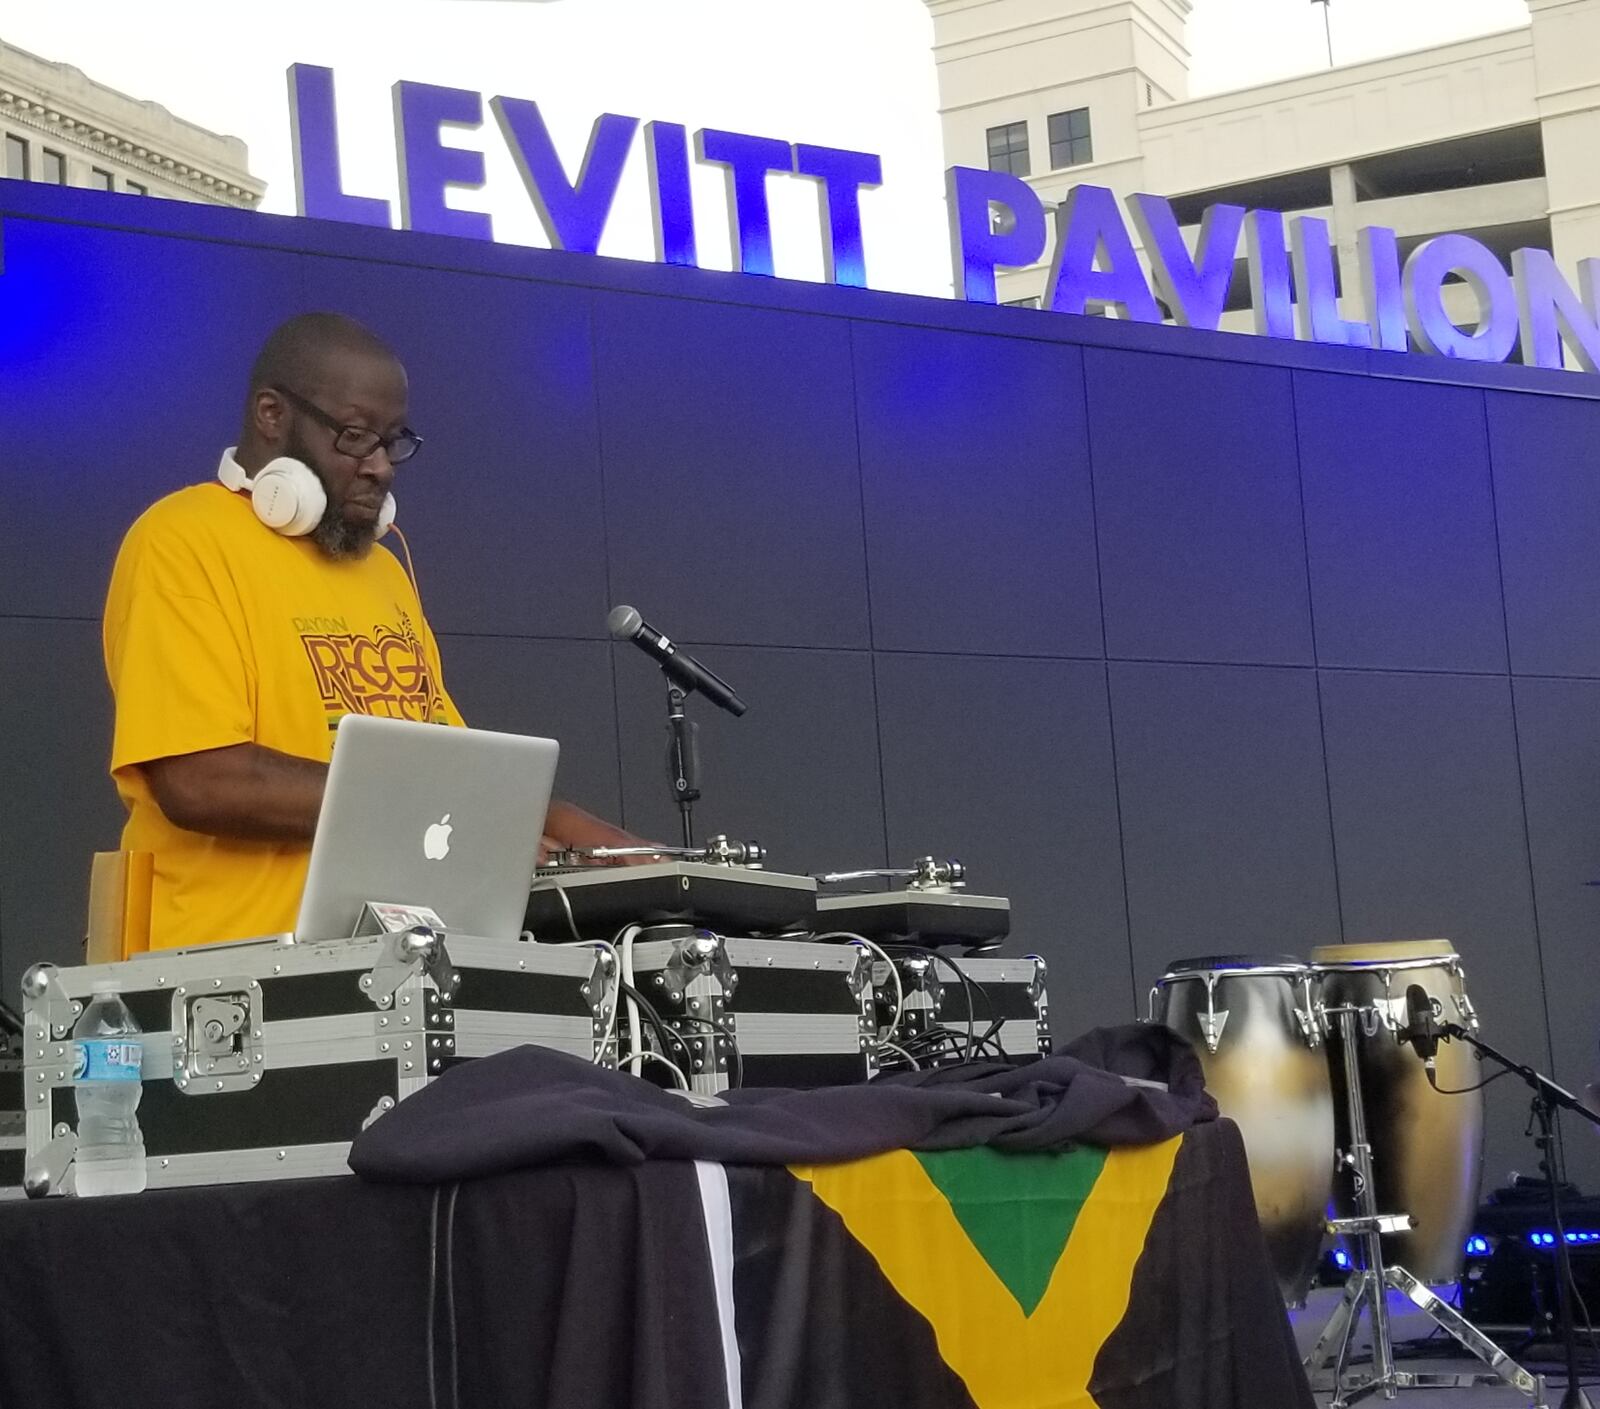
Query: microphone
{"type": "Point", "coordinates": [625, 624]}
{"type": "Point", "coordinates": [1420, 1029]}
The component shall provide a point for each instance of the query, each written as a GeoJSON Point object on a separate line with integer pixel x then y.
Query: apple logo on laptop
{"type": "Point", "coordinates": [436, 840]}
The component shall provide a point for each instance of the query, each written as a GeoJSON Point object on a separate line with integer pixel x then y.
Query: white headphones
{"type": "Point", "coordinates": [287, 495]}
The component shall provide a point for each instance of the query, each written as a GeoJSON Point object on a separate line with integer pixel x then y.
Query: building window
{"type": "Point", "coordinates": [102, 180]}
{"type": "Point", "coordinates": [16, 158]}
{"type": "Point", "coordinates": [1070, 143]}
{"type": "Point", "coordinates": [52, 167]}
{"type": "Point", "coordinates": [1008, 148]}
{"type": "Point", "coordinates": [135, 189]}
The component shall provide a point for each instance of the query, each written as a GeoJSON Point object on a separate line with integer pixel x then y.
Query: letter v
{"type": "Point", "coordinates": [573, 213]}
{"type": "Point", "coordinates": [1196, 290]}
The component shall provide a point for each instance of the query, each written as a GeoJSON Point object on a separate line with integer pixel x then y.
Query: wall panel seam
{"type": "Point", "coordinates": [866, 583]}
{"type": "Point", "coordinates": [605, 541]}
{"type": "Point", "coordinates": [1516, 729]}
{"type": "Point", "coordinates": [1105, 665]}
{"type": "Point", "coordinates": [1316, 657]}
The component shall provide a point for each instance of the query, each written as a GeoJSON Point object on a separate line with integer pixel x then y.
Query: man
{"type": "Point", "coordinates": [234, 647]}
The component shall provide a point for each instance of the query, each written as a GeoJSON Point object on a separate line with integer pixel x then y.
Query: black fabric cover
{"type": "Point", "coordinates": [531, 1106]}
{"type": "Point", "coordinates": [261, 1294]}
{"type": "Point", "coordinates": [552, 1289]}
{"type": "Point", "coordinates": [577, 1287]}
{"type": "Point", "coordinates": [1205, 1326]}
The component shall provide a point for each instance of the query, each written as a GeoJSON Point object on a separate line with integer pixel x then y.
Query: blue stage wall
{"type": "Point", "coordinates": [1187, 642]}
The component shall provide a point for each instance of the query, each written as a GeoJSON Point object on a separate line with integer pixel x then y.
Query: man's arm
{"type": "Point", "coordinates": [254, 793]}
{"type": "Point", "coordinates": [572, 826]}
{"type": "Point", "coordinates": [244, 791]}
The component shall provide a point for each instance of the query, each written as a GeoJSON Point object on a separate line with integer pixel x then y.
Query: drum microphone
{"type": "Point", "coordinates": [625, 624]}
{"type": "Point", "coordinates": [1420, 1030]}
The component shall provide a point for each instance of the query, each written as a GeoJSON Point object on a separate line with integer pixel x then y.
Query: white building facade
{"type": "Point", "coordinates": [1494, 137]}
{"type": "Point", "coordinates": [59, 126]}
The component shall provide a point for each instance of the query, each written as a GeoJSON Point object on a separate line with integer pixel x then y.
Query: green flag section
{"type": "Point", "coordinates": [974, 1279]}
{"type": "Point", "coordinates": [1018, 1210]}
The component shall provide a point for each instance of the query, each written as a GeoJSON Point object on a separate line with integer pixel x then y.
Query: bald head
{"type": "Point", "coordinates": [310, 349]}
{"type": "Point", "coordinates": [316, 377]}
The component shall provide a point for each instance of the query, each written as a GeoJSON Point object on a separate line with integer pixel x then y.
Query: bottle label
{"type": "Point", "coordinates": [107, 1059]}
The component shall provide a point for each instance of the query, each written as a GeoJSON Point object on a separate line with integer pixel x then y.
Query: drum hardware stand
{"type": "Point", "coordinates": [1548, 1099]}
{"type": "Point", "coordinates": [1368, 1286]}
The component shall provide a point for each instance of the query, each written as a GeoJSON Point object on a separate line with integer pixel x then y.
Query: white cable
{"type": "Point", "coordinates": [566, 905]}
{"type": "Point", "coordinates": [894, 974]}
{"type": "Point", "coordinates": [635, 1034]}
{"type": "Point", "coordinates": [611, 1017]}
{"type": "Point", "coordinates": [648, 1055]}
{"type": "Point", "coordinates": [899, 988]}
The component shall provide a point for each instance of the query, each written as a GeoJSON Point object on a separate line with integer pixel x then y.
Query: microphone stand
{"type": "Point", "coordinates": [1548, 1098]}
{"type": "Point", "coordinates": [681, 761]}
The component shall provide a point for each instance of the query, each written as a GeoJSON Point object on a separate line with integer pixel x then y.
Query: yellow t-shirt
{"type": "Point", "coordinates": [220, 631]}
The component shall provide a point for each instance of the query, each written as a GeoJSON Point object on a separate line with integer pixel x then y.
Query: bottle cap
{"type": "Point", "coordinates": [107, 985]}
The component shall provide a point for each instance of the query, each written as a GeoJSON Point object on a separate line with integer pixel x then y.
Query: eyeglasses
{"type": "Point", "coordinates": [357, 441]}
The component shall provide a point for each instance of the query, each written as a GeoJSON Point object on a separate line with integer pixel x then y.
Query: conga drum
{"type": "Point", "coordinates": [1253, 1022]}
{"type": "Point", "coordinates": [1427, 1147]}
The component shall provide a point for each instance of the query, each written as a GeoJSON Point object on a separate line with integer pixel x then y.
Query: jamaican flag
{"type": "Point", "coordinates": [974, 1279]}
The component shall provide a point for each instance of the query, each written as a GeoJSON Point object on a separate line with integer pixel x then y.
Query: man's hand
{"type": "Point", "coordinates": [568, 826]}
{"type": "Point", "coordinates": [244, 791]}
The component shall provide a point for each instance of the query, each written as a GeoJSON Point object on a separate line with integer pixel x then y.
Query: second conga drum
{"type": "Point", "coordinates": [1427, 1147]}
{"type": "Point", "coordinates": [1252, 1021]}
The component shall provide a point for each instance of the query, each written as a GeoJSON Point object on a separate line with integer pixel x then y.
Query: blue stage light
{"type": "Point", "coordinates": [1477, 1246]}
{"type": "Point", "coordinates": [1341, 1258]}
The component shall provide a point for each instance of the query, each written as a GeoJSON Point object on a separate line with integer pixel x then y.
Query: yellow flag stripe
{"type": "Point", "coordinates": [1007, 1360]}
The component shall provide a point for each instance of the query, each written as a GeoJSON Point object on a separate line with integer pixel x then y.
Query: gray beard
{"type": "Point", "coordinates": [341, 540]}
{"type": "Point", "coordinates": [334, 536]}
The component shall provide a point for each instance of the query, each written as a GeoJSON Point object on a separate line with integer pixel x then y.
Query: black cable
{"type": "Point", "coordinates": [670, 1037]}
{"type": "Point", "coordinates": [450, 1295]}
{"type": "Point", "coordinates": [1468, 1090]}
{"type": "Point", "coordinates": [991, 1038]}
{"type": "Point", "coordinates": [718, 1030]}
{"type": "Point", "coordinates": [664, 1033]}
{"type": "Point", "coordinates": [931, 1041]}
{"type": "Point", "coordinates": [959, 972]}
{"type": "Point", "coordinates": [433, 1280]}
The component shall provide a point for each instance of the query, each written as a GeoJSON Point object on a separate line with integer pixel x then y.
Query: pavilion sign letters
{"type": "Point", "coordinates": [997, 222]}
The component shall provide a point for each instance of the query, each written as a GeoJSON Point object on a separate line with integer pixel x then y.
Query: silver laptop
{"type": "Point", "coordinates": [426, 815]}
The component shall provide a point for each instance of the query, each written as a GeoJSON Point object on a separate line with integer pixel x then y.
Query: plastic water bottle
{"type": "Point", "coordinates": [107, 1087]}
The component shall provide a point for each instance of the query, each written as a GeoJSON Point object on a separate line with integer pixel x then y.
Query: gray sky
{"type": "Point", "coordinates": [848, 73]}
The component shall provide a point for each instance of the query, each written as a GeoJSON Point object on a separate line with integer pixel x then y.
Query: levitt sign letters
{"type": "Point", "coordinates": [1094, 269]}
{"type": "Point", "coordinates": [573, 211]}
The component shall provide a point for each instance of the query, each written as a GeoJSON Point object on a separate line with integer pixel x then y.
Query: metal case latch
{"type": "Point", "coordinates": [403, 954]}
{"type": "Point", "coordinates": [701, 956]}
{"type": "Point", "coordinates": [699, 981]}
{"type": "Point", "coordinates": [923, 992]}
{"type": "Point", "coordinates": [47, 1170]}
{"type": "Point", "coordinates": [217, 1036]}
{"type": "Point", "coordinates": [1036, 985]}
{"type": "Point", "coordinates": [601, 990]}
{"type": "Point", "coordinates": [46, 1000]}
